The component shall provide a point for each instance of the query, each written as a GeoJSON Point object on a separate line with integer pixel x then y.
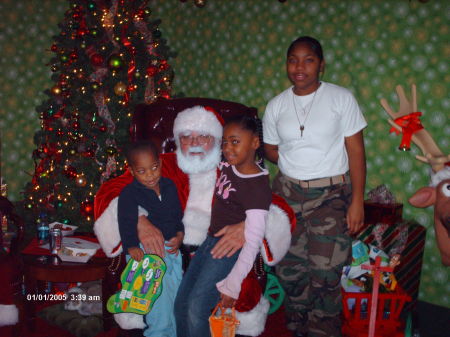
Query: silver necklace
{"type": "Point", "coordinates": [305, 113]}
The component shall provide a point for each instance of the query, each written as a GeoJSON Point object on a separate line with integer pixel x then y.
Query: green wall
{"type": "Point", "coordinates": [235, 50]}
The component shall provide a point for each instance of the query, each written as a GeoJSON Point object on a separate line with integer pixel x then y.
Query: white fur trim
{"type": "Point", "coordinates": [278, 235]}
{"type": "Point", "coordinates": [197, 215]}
{"type": "Point", "coordinates": [106, 229]}
{"type": "Point", "coordinates": [197, 119]}
{"type": "Point", "coordinates": [195, 232]}
{"type": "Point", "coordinates": [253, 322]}
{"type": "Point", "coordinates": [129, 320]}
{"type": "Point", "coordinates": [9, 314]}
{"type": "Point", "coordinates": [439, 176]}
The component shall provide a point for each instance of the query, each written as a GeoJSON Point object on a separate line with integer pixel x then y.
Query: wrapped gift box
{"type": "Point", "coordinates": [382, 213]}
{"type": "Point", "coordinates": [408, 240]}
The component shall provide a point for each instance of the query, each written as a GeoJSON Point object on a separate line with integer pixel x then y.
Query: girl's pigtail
{"type": "Point", "coordinates": [260, 149]}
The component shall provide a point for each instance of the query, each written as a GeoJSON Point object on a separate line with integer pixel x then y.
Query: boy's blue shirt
{"type": "Point", "coordinates": [166, 214]}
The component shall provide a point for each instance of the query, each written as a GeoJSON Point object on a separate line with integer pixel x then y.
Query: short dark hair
{"type": "Point", "coordinates": [311, 42]}
{"type": "Point", "coordinates": [140, 146]}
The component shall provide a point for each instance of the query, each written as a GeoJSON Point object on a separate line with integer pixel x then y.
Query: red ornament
{"type": "Point", "coordinates": [73, 55]}
{"type": "Point", "coordinates": [164, 94]}
{"type": "Point", "coordinates": [87, 208]}
{"type": "Point", "coordinates": [97, 60]}
{"type": "Point", "coordinates": [140, 14]}
{"type": "Point", "coordinates": [102, 128]}
{"type": "Point", "coordinates": [81, 32]}
{"type": "Point", "coordinates": [89, 154]}
{"type": "Point", "coordinates": [70, 172]}
{"type": "Point", "coordinates": [54, 48]}
{"type": "Point", "coordinates": [80, 75]}
{"type": "Point", "coordinates": [164, 65]}
{"type": "Point", "coordinates": [152, 71]}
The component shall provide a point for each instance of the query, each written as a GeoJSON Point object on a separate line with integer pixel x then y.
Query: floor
{"type": "Point", "coordinates": [430, 321]}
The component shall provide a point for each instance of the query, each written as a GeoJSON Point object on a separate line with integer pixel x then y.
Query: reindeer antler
{"type": "Point", "coordinates": [408, 111]}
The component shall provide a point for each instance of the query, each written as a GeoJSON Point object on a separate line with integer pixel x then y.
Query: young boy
{"type": "Point", "coordinates": [158, 196]}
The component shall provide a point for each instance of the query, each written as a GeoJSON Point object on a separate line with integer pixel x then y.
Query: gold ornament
{"type": "Point", "coordinates": [200, 3]}
{"type": "Point", "coordinates": [56, 90]}
{"type": "Point", "coordinates": [120, 88]}
{"type": "Point", "coordinates": [81, 180]}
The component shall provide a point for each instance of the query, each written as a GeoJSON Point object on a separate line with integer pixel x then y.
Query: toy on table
{"type": "Point", "coordinates": [141, 286]}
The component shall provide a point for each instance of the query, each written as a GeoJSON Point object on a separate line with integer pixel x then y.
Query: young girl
{"type": "Point", "coordinates": [313, 131]}
{"type": "Point", "coordinates": [158, 196]}
{"type": "Point", "coordinates": [242, 192]}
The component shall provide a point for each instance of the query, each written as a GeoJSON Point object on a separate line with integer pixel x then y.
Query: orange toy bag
{"type": "Point", "coordinates": [223, 324]}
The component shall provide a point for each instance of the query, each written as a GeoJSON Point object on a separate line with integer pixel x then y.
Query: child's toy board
{"type": "Point", "coordinates": [141, 286]}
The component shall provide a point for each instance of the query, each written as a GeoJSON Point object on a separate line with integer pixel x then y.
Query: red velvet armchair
{"type": "Point", "coordinates": [155, 122]}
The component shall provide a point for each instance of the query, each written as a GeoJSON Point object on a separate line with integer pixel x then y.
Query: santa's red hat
{"type": "Point", "coordinates": [199, 119]}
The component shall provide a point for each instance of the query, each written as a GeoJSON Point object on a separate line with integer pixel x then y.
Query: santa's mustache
{"type": "Point", "coordinates": [196, 149]}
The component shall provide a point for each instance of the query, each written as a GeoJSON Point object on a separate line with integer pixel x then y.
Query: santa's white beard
{"type": "Point", "coordinates": [191, 164]}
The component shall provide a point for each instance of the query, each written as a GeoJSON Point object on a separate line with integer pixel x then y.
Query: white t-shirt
{"type": "Point", "coordinates": [320, 152]}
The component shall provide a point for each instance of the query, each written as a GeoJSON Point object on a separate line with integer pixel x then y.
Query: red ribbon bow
{"type": "Point", "coordinates": [410, 124]}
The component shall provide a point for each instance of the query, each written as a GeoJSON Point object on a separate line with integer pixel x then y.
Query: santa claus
{"type": "Point", "coordinates": [193, 168]}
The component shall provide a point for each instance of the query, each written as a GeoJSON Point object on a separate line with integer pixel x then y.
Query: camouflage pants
{"type": "Point", "coordinates": [311, 270]}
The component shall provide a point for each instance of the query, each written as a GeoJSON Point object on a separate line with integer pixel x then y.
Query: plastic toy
{"type": "Point", "coordinates": [141, 286]}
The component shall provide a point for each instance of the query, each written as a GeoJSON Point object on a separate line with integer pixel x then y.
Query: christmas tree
{"type": "Point", "coordinates": [108, 57]}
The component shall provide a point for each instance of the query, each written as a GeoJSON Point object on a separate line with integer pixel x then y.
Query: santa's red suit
{"type": "Point", "coordinates": [195, 192]}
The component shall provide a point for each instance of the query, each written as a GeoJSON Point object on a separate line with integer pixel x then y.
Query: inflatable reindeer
{"type": "Point", "coordinates": [407, 122]}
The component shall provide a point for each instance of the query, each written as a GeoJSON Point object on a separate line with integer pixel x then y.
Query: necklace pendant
{"type": "Point", "coordinates": [302, 127]}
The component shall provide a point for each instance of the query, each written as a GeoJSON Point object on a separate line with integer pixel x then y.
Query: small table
{"type": "Point", "coordinates": [35, 269]}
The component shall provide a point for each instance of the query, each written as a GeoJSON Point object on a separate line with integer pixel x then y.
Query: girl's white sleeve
{"type": "Point", "coordinates": [255, 224]}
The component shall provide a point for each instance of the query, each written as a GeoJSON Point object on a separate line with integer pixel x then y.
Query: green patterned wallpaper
{"type": "Point", "coordinates": [235, 50]}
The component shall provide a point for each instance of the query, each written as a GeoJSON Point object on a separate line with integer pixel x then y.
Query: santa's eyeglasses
{"type": "Point", "coordinates": [200, 139]}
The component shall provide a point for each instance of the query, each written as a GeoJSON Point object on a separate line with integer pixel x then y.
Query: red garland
{"type": "Point", "coordinates": [50, 151]}
{"type": "Point", "coordinates": [132, 67]}
{"type": "Point", "coordinates": [82, 30]}
{"type": "Point", "coordinates": [60, 112]}
{"type": "Point", "coordinates": [410, 124]}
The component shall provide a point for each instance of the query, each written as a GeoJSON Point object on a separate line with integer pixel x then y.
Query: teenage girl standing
{"type": "Point", "coordinates": [313, 131]}
{"type": "Point", "coordinates": [242, 193]}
